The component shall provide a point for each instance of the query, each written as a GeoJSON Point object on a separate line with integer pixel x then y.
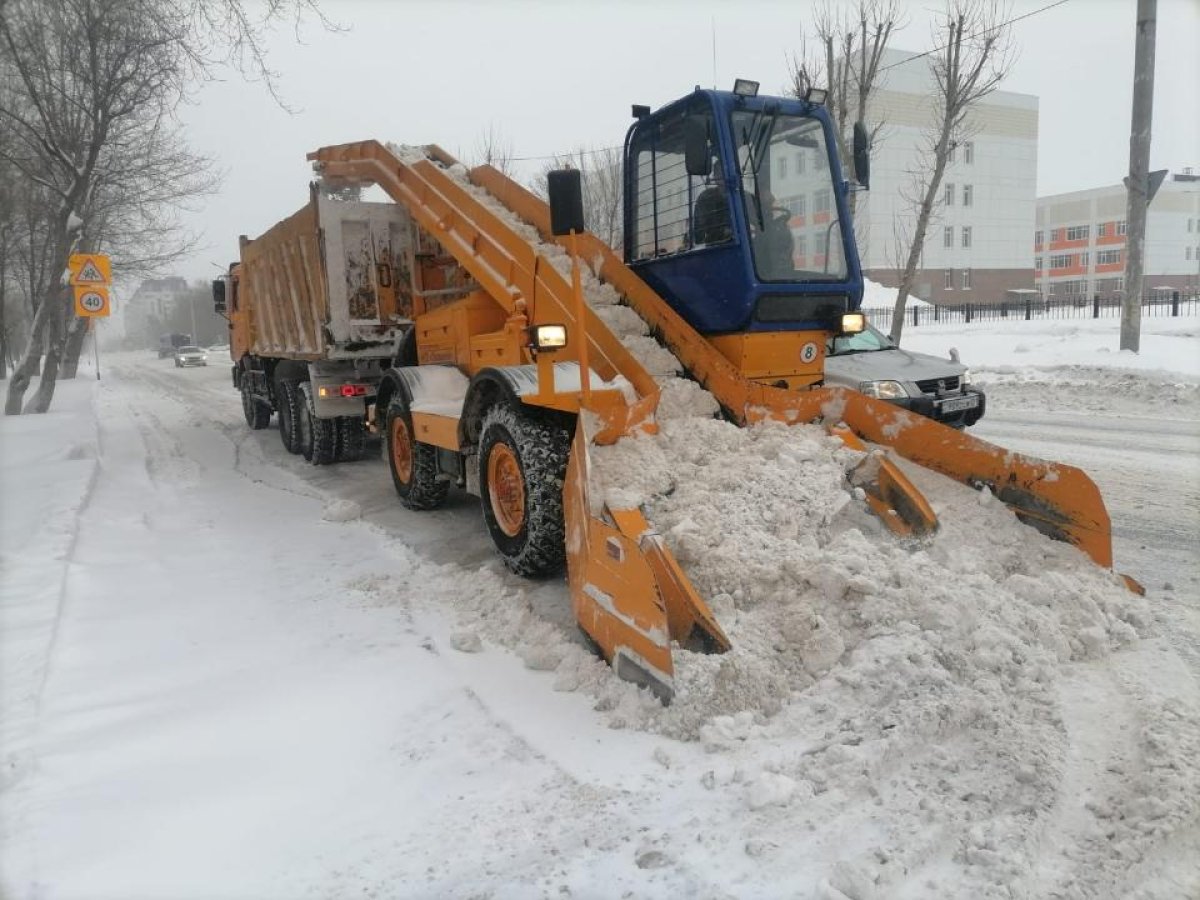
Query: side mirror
{"type": "Point", "coordinates": [218, 289]}
{"type": "Point", "coordinates": [566, 201]}
{"type": "Point", "coordinates": [862, 155]}
{"type": "Point", "coordinates": [697, 158]}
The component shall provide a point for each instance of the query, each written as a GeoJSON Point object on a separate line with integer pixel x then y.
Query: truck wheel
{"type": "Point", "coordinates": [288, 395]}
{"type": "Point", "coordinates": [321, 435]}
{"type": "Point", "coordinates": [522, 467]}
{"type": "Point", "coordinates": [352, 438]}
{"type": "Point", "coordinates": [413, 464]}
{"type": "Point", "coordinates": [304, 421]}
{"type": "Point", "coordinates": [258, 415]}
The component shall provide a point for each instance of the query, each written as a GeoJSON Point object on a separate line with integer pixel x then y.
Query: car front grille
{"type": "Point", "coordinates": [939, 385]}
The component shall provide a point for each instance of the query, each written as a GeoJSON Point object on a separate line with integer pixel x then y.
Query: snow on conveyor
{"type": "Point", "coordinates": [969, 693]}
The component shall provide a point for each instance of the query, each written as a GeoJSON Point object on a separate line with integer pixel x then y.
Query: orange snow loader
{"type": "Point", "coordinates": [502, 377]}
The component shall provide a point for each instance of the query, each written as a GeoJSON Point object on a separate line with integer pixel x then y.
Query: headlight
{"type": "Point", "coordinates": [853, 323]}
{"type": "Point", "coordinates": [965, 378]}
{"type": "Point", "coordinates": [549, 337]}
{"type": "Point", "coordinates": [884, 390]}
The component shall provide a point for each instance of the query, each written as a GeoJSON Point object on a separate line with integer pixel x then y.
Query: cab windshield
{"type": "Point", "coordinates": [789, 196]}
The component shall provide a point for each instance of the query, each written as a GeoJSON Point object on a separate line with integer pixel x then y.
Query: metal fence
{"type": "Point", "coordinates": [1034, 308]}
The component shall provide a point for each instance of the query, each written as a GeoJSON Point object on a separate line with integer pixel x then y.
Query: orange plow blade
{"type": "Point", "coordinates": [627, 590]}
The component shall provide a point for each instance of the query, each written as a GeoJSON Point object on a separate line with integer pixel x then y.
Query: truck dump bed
{"type": "Point", "coordinates": [331, 281]}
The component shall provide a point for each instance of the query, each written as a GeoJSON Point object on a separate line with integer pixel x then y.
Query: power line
{"type": "Point", "coordinates": [994, 28]}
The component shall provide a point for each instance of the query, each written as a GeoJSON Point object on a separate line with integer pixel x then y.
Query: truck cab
{"type": "Point", "coordinates": [736, 213]}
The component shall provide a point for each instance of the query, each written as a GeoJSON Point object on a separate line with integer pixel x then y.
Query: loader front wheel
{"type": "Point", "coordinates": [288, 396]}
{"type": "Point", "coordinates": [522, 467]}
{"type": "Point", "coordinates": [413, 464]}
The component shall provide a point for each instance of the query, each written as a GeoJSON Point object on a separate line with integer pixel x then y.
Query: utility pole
{"type": "Point", "coordinates": [1137, 183]}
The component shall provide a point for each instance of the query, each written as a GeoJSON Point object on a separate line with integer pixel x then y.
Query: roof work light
{"type": "Point", "coordinates": [744, 87]}
{"type": "Point", "coordinates": [816, 96]}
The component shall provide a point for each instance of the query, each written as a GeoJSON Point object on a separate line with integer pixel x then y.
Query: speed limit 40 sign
{"type": "Point", "coordinates": [91, 300]}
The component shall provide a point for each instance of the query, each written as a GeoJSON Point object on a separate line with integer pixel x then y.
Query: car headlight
{"type": "Point", "coordinates": [965, 377]}
{"type": "Point", "coordinates": [884, 390]}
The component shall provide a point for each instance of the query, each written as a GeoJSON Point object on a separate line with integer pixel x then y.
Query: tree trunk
{"type": "Point", "coordinates": [76, 332]}
{"type": "Point", "coordinates": [28, 367]}
{"type": "Point", "coordinates": [55, 342]}
{"type": "Point", "coordinates": [909, 275]}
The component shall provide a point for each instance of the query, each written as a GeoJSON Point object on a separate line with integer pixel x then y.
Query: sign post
{"type": "Point", "coordinates": [91, 274]}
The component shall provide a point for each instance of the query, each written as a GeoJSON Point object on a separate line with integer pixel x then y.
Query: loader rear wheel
{"type": "Point", "coordinates": [258, 415]}
{"type": "Point", "coordinates": [522, 467]}
{"type": "Point", "coordinates": [413, 464]}
{"type": "Point", "coordinates": [352, 438]}
{"type": "Point", "coordinates": [288, 396]}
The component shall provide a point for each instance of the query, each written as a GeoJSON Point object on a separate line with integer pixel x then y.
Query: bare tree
{"type": "Point", "coordinates": [973, 55]}
{"type": "Point", "coordinates": [87, 93]}
{"type": "Point", "coordinates": [851, 42]}
{"type": "Point", "coordinates": [492, 148]}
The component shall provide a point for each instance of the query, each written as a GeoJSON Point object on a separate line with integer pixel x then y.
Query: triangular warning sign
{"type": "Point", "coordinates": [90, 274]}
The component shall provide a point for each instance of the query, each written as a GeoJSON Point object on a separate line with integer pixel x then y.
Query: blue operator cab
{"type": "Point", "coordinates": [736, 214]}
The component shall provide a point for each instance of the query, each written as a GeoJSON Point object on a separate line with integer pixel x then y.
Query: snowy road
{"type": "Point", "coordinates": [221, 681]}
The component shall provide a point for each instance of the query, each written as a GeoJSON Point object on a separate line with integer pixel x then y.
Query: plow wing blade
{"type": "Point", "coordinates": [1058, 500]}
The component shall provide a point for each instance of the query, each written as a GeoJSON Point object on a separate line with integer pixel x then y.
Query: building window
{"type": "Point", "coordinates": [1121, 227]}
{"type": "Point", "coordinates": [966, 279]}
{"type": "Point", "coordinates": [1062, 261]}
{"type": "Point", "coordinates": [1078, 232]}
{"type": "Point", "coordinates": [1108, 257]}
{"type": "Point", "coordinates": [966, 236]}
{"type": "Point", "coordinates": [969, 152]}
{"type": "Point", "coordinates": [1189, 226]}
{"type": "Point", "coordinates": [949, 198]}
{"type": "Point", "coordinates": [953, 147]}
{"type": "Point", "coordinates": [1037, 237]}
{"type": "Point", "coordinates": [1102, 230]}
{"type": "Point", "coordinates": [797, 206]}
{"type": "Point", "coordinates": [1083, 259]}
{"type": "Point", "coordinates": [783, 166]}
{"type": "Point", "coordinates": [802, 245]}
{"type": "Point", "coordinates": [800, 162]}
{"type": "Point", "coordinates": [948, 280]}
{"type": "Point", "coordinates": [1056, 234]}
{"type": "Point", "coordinates": [821, 200]}
{"type": "Point", "coordinates": [968, 192]}
{"type": "Point", "coordinates": [1189, 252]}
{"type": "Point", "coordinates": [948, 236]}
{"type": "Point", "coordinates": [1037, 263]}
{"type": "Point", "coordinates": [819, 160]}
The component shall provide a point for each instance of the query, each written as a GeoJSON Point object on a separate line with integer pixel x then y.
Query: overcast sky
{"type": "Point", "coordinates": [554, 76]}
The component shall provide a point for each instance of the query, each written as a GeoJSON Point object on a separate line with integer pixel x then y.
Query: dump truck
{"type": "Point", "coordinates": [501, 378]}
{"type": "Point", "coordinates": [317, 309]}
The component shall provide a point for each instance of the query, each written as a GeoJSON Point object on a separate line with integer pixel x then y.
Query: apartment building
{"type": "Point", "coordinates": [977, 244]}
{"type": "Point", "coordinates": [1079, 241]}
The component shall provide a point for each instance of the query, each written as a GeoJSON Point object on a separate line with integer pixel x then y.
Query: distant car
{"type": "Point", "coordinates": [190, 356]}
{"type": "Point", "coordinates": [938, 388]}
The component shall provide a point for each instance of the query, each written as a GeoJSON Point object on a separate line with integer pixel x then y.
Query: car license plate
{"type": "Point", "coordinates": [960, 403]}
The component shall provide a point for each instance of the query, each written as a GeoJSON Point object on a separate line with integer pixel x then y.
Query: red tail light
{"type": "Point", "coordinates": [354, 390]}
